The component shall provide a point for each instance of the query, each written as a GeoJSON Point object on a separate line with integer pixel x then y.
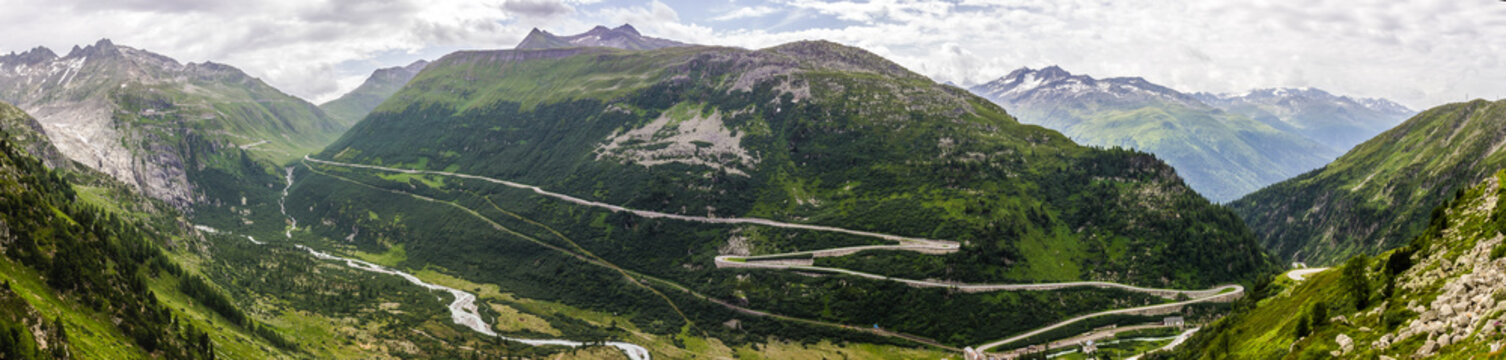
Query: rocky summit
{"type": "Point", "coordinates": [622, 37]}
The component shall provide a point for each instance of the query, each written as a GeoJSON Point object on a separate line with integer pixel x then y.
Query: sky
{"type": "Point", "coordinates": [1420, 53]}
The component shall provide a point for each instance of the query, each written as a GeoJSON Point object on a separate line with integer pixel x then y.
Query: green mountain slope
{"type": "Point", "coordinates": [1222, 155]}
{"type": "Point", "coordinates": [1441, 296]}
{"type": "Point", "coordinates": [154, 123]}
{"type": "Point", "coordinates": [351, 107]}
{"type": "Point", "coordinates": [810, 133]}
{"type": "Point", "coordinates": [231, 296]}
{"type": "Point", "coordinates": [1378, 195]}
{"type": "Point", "coordinates": [78, 280]}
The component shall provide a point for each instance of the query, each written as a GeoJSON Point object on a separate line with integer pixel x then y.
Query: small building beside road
{"type": "Point", "coordinates": [1176, 321]}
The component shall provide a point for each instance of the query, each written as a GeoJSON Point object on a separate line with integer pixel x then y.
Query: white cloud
{"type": "Point", "coordinates": [1421, 53]}
{"type": "Point", "coordinates": [295, 45]}
{"type": "Point", "coordinates": [747, 13]}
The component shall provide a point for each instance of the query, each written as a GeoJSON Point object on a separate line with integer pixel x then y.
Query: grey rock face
{"type": "Point", "coordinates": [128, 113]}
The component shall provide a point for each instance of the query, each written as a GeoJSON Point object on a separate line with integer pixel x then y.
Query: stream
{"type": "Point", "coordinates": [283, 206]}
{"type": "Point", "coordinates": [463, 310]}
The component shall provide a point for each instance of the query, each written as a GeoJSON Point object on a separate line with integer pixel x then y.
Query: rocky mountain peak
{"type": "Point", "coordinates": [103, 47]}
{"type": "Point", "coordinates": [623, 37]}
{"type": "Point", "coordinates": [1052, 72]}
{"type": "Point", "coordinates": [1385, 106]}
{"type": "Point", "coordinates": [417, 65]}
{"type": "Point", "coordinates": [399, 72]}
{"type": "Point", "coordinates": [1024, 84]}
{"type": "Point", "coordinates": [627, 29]}
{"type": "Point", "coordinates": [31, 57]}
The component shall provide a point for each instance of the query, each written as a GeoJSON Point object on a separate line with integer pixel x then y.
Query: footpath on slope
{"type": "Point", "coordinates": [1222, 293]}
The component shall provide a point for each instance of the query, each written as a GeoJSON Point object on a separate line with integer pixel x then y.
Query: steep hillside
{"type": "Point", "coordinates": [27, 134]}
{"type": "Point", "coordinates": [152, 122]}
{"type": "Point", "coordinates": [623, 37]}
{"type": "Point", "coordinates": [1221, 155]}
{"type": "Point", "coordinates": [351, 107]}
{"type": "Point", "coordinates": [1340, 122]}
{"type": "Point", "coordinates": [1378, 195]}
{"type": "Point", "coordinates": [79, 281]}
{"type": "Point", "coordinates": [1441, 296]}
{"type": "Point", "coordinates": [813, 134]}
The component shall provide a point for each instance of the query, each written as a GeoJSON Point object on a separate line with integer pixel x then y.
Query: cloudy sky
{"type": "Point", "coordinates": [1418, 52]}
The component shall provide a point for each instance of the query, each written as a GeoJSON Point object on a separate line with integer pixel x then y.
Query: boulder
{"type": "Point", "coordinates": [1427, 316]}
{"type": "Point", "coordinates": [1427, 349]}
{"type": "Point", "coordinates": [1345, 343]}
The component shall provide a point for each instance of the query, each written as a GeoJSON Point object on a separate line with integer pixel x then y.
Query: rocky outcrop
{"type": "Point", "coordinates": [1346, 344]}
{"type": "Point", "coordinates": [1471, 287]}
{"type": "Point", "coordinates": [138, 116]}
{"type": "Point", "coordinates": [29, 134]}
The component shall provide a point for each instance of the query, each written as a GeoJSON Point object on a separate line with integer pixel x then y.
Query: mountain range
{"type": "Point", "coordinates": [809, 133]}
{"type": "Point", "coordinates": [1380, 194]}
{"type": "Point", "coordinates": [153, 122]}
{"type": "Point", "coordinates": [1225, 146]}
{"type": "Point", "coordinates": [1221, 155]}
{"type": "Point", "coordinates": [1340, 122]}
{"type": "Point", "coordinates": [614, 195]}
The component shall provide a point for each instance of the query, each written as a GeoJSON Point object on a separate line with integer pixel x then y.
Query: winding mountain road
{"type": "Point", "coordinates": [1301, 274]}
{"type": "Point", "coordinates": [784, 261]}
{"type": "Point", "coordinates": [652, 214]}
{"type": "Point", "coordinates": [463, 310]}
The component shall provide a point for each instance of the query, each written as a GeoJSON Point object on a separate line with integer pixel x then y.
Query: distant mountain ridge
{"type": "Point", "coordinates": [1340, 122]}
{"type": "Point", "coordinates": [1380, 194]}
{"type": "Point", "coordinates": [382, 83]}
{"type": "Point", "coordinates": [622, 37]}
{"type": "Point", "coordinates": [1222, 155]}
{"type": "Point", "coordinates": [151, 121]}
{"type": "Point", "coordinates": [1053, 84]}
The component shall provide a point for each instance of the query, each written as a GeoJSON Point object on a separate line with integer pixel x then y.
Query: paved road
{"type": "Point", "coordinates": [1173, 345]}
{"type": "Point", "coordinates": [1095, 335]}
{"type": "Point", "coordinates": [1229, 296]}
{"type": "Point", "coordinates": [1221, 293]}
{"type": "Point", "coordinates": [752, 262]}
{"type": "Point", "coordinates": [1301, 274]}
{"type": "Point", "coordinates": [652, 214]}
